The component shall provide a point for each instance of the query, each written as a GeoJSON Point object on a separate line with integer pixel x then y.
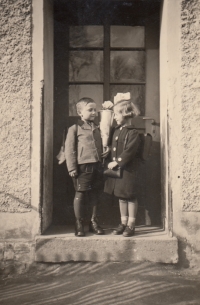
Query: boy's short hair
{"type": "Point", "coordinates": [128, 108]}
{"type": "Point", "coordinates": [83, 102]}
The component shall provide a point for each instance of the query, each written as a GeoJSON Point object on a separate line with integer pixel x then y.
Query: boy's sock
{"type": "Point", "coordinates": [124, 220]}
{"type": "Point", "coordinates": [132, 212]}
{"type": "Point", "coordinates": [131, 222]}
{"type": "Point", "coordinates": [78, 204]}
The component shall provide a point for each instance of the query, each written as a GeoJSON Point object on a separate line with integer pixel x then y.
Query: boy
{"type": "Point", "coordinates": [83, 151]}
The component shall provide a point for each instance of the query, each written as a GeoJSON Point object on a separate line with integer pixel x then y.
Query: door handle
{"type": "Point", "coordinates": [146, 118]}
{"type": "Point", "coordinates": [153, 122]}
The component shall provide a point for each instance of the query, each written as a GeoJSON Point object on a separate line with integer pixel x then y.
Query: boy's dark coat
{"type": "Point", "coordinates": [125, 143]}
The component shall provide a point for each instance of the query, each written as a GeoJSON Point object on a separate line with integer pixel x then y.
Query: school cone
{"type": "Point", "coordinates": [106, 120]}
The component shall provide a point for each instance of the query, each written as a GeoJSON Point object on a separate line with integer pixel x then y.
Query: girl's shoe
{"type": "Point", "coordinates": [120, 229]}
{"type": "Point", "coordinates": [129, 231]}
{"type": "Point", "coordinates": [79, 229]}
{"type": "Point", "coordinates": [95, 228]}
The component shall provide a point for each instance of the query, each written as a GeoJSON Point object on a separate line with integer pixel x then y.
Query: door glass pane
{"type": "Point", "coordinates": [137, 94]}
{"type": "Point", "coordinates": [127, 66]}
{"type": "Point", "coordinates": [127, 36]}
{"type": "Point", "coordinates": [76, 92]}
{"type": "Point", "coordinates": [86, 66]}
{"type": "Point", "coordinates": [86, 36]}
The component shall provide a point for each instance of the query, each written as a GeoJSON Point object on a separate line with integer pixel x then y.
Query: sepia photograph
{"type": "Point", "coordinates": [99, 152]}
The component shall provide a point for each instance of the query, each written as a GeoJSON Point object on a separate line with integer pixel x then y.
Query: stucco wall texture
{"type": "Point", "coordinates": [190, 83]}
{"type": "Point", "coordinates": [15, 110]}
{"type": "Point", "coordinates": [180, 116]}
{"type": "Point", "coordinates": [183, 112]}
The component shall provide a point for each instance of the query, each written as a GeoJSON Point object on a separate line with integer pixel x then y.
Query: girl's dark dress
{"type": "Point", "coordinates": [125, 144]}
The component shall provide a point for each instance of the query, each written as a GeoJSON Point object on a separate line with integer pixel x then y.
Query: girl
{"type": "Point", "coordinates": [125, 144]}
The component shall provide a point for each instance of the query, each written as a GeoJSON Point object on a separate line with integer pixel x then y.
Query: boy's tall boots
{"type": "Point", "coordinates": [78, 211]}
{"type": "Point", "coordinates": [79, 229]}
{"type": "Point", "coordinates": [94, 227]}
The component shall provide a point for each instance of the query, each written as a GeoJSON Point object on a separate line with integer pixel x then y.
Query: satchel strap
{"type": "Point", "coordinates": [65, 134]}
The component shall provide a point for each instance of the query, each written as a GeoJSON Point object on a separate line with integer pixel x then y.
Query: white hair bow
{"type": "Point", "coordinates": [122, 96]}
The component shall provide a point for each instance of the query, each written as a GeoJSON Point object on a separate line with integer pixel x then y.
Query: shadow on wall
{"type": "Point", "coordinates": [188, 253]}
{"type": "Point", "coordinates": [103, 284]}
{"type": "Point", "coordinates": [188, 250]}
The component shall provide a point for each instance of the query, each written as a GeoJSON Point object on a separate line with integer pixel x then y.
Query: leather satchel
{"type": "Point", "coordinates": [112, 173]}
{"type": "Point", "coordinates": [61, 155]}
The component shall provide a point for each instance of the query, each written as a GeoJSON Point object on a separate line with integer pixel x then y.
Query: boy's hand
{"type": "Point", "coordinates": [113, 164]}
{"type": "Point", "coordinates": [106, 151]}
{"type": "Point", "coordinates": [73, 173]}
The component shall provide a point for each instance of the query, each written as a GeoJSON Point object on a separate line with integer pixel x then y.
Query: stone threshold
{"type": "Point", "coordinates": [59, 244]}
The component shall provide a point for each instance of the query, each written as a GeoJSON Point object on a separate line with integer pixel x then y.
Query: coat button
{"type": "Point", "coordinates": [119, 159]}
{"type": "Point", "coordinates": [114, 148]}
{"type": "Point", "coordinates": [116, 138]}
{"type": "Point", "coordinates": [113, 158]}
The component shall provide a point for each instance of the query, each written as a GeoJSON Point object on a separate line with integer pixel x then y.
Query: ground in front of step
{"type": "Point", "coordinates": [87, 283]}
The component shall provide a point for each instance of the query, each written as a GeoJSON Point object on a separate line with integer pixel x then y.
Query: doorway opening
{"type": "Point", "coordinates": [101, 48]}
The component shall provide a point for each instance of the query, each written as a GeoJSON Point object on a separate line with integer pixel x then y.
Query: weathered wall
{"type": "Point", "coordinates": [16, 257]}
{"type": "Point", "coordinates": [190, 83]}
{"type": "Point", "coordinates": [189, 227]}
{"type": "Point", "coordinates": [16, 216]}
{"type": "Point", "coordinates": [15, 88]}
{"type": "Point", "coordinates": [26, 86]}
{"type": "Point", "coordinates": [180, 114]}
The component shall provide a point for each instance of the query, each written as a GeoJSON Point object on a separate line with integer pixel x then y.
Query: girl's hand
{"type": "Point", "coordinates": [106, 151]}
{"type": "Point", "coordinates": [73, 173]}
{"type": "Point", "coordinates": [113, 164]}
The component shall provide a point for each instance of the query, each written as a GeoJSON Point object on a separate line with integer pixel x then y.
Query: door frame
{"type": "Point", "coordinates": [42, 112]}
{"type": "Point", "coordinates": [42, 116]}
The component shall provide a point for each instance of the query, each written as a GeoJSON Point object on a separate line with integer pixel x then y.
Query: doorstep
{"type": "Point", "coordinates": [59, 244]}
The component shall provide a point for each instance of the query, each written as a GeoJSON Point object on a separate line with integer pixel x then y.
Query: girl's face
{"type": "Point", "coordinates": [118, 115]}
{"type": "Point", "coordinates": [88, 112]}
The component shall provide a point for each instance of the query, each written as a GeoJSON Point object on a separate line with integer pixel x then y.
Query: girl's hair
{"type": "Point", "coordinates": [83, 102]}
{"type": "Point", "coordinates": [128, 108]}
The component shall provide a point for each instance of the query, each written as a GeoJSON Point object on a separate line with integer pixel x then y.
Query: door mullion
{"type": "Point", "coordinates": [106, 62]}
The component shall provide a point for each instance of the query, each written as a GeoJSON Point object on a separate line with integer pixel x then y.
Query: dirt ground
{"type": "Point", "coordinates": [102, 284]}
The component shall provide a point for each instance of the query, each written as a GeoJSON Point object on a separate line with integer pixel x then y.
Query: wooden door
{"type": "Point", "coordinates": [98, 56]}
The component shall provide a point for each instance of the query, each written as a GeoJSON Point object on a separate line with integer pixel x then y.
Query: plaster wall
{"type": "Point", "coordinates": [15, 113]}
{"type": "Point", "coordinates": [180, 115]}
{"type": "Point", "coordinates": [15, 88]}
{"type": "Point", "coordinates": [22, 140]}
{"type": "Point", "coordinates": [18, 220]}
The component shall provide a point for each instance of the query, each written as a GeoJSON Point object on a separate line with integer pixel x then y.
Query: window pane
{"type": "Point", "coordinates": [86, 66]}
{"type": "Point", "coordinates": [86, 36]}
{"type": "Point", "coordinates": [137, 94]}
{"type": "Point", "coordinates": [127, 66]}
{"type": "Point", "coordinates": [76, 92]}
{"type": "Point", "coordinates": [127, 36]}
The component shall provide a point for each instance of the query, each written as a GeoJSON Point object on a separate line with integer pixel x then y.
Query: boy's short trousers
{"type": "Point", "coordinates": [90, 177]}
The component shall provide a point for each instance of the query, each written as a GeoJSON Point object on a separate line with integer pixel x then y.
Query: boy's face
{"type": "Point", "coordinates": [119, 118]}
{"type": "Point", "coordinates": [88, 112]}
